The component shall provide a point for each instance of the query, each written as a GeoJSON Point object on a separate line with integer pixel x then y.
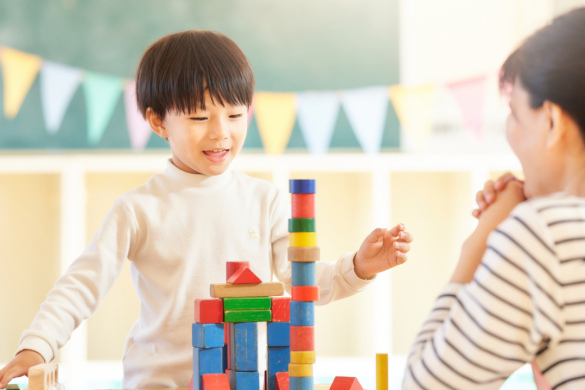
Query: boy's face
{"type": "Point", "coordinates": [203, 141]}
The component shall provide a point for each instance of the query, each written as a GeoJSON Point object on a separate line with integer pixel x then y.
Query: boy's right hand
{"type": "Point", "coordinates": [19, 366]}
{"type": "Point", "coordinates": [488, 195]}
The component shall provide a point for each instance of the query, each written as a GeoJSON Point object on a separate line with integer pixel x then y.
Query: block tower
{"type": "Point", "coordinates": [303, 253]}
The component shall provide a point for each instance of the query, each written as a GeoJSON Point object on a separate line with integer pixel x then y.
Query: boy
{"type": "Point", "coordinates": [180, 228]}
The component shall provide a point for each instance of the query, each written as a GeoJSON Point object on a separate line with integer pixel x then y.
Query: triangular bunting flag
{"type": "Point", "coordinates": [414, 107]}
{"type": "Point", "coordinates": [366, 110]}
{"type": "Point", "coordinates": [470, 97]}
{"type": "Point", "coordinates": [138, 128]}
{"type": "Point", "coordinates": [101, 93]}
{"type": "Point", "coordinates": [317, 113]}
{"type": "Point", "coordinates": [58, 84]}
{"type": "Point", "coordinates": [275, 117]}
{"type": "Point", "coordinates": [20, 70]}
{"type": "Point", "coordinates": [244, 275]}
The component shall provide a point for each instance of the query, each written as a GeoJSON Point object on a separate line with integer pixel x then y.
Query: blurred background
{"type": "Point", "coordinates": [392, 105]}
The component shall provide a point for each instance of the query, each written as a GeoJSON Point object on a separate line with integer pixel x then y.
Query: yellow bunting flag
{"type": "Point", "coordinates": [414, 107]}
{"type": "Point", "coordinates": [20, 70]}
{"type": "Point", "coordinates": [275, 115]}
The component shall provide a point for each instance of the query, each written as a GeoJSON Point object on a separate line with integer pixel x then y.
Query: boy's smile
{"type": "Point", "coordinates": [203, 141]}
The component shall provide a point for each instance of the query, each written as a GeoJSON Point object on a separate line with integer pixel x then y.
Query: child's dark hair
{"type": "Point", "coordinates": [550, 65]}
{"type": "Point", "coordinates": [175, 71]}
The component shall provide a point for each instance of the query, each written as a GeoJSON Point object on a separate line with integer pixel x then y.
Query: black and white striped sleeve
{"type": "Point", "coordinates": [479, 333]}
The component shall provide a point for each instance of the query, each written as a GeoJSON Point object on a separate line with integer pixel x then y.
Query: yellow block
{"type": "Point", "coordinates": [303, 357]}
{"type": "Point", "coordinates": [300, 370]}
{"type": "Point", "coordinates": [302, 239]}
{"type": "Point", "coordinates": [381, 371]}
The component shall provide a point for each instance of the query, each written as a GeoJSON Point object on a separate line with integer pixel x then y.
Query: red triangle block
{"type": "Point", "coordinates": [345, 383]}
{"type": "Point", "coordinates": [215, 382]}
{"type": "Point", "coordinates": [282, 381]}
{"type": "Point", "coordinates": [244, 275]}
{"type": "Point", "coordinates": [191, 384]}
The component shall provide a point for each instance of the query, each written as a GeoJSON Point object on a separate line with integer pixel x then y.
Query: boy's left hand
{"type": "Point", "coordinates": [381, 250]}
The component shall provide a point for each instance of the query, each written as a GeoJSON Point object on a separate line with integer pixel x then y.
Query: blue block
{"type": "Point", "coordinates": [302, 313]}
{"type": "Point", "coordinates": [301, 383]}
{"type": "Point", "coordinates": [207, 335]}
{"type": "Point", "coordinates": [303, 274]}
{"type": "Point", "coordinates": [244, 380]}
{"type": "Point", "coordinates": [278, 360]}
{"type": "Point", "coordinates": [278, 334]}
{"type": "Point", "coordinates": [244, 343]}
{"type": "Point", "coordinates": [306, 186]}
{"type": "Point", "coordinates": [206, 361]}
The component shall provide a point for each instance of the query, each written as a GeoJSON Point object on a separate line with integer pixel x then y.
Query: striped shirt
{"type": "Point", "coordinates": [526, 302]}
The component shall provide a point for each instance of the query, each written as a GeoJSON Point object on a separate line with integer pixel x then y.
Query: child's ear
{"type": "Point", "coordinates": [558, 124]}
{"type": "Point", "coordinates": [156, 123]}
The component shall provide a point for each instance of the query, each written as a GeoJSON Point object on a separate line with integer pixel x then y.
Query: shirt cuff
{"type": "Point", "coordinates": [348, 274]}
{"type": "Point", "coordinates": [38, 345]}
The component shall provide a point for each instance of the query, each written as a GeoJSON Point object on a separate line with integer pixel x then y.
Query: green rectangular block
{"type": "Point", "coordinates": [247, 316]}
{"type": "Point", "coordinates": [252, 303]}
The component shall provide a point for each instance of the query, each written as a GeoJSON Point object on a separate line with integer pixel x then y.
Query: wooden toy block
{"type": "Point", "coordinates": [282, 381]}
{"type": "Point", "coordinates": [247, 316]}
{"type": "Point", "coordinates": [233, 266]}
{"type": "Point", "coordinates": [308, 254]}
{"type": "Point", "coordinates": [300, 370]}
{"type": "Point", "coordinates": [381, 371]}
{"type": "Point", "coordinates": [278, 334]}
{"type": "Point", "coordinates": [345, 383]}
{"type": "Point", "coordinates": [244, 380]}
{"type": "Point", "coordinates": [250, 303]}
{"type": "Point", "coordinates": [302, 313]}
{"type": "Point", "coordinates": [244, 275]}
{"type": "Point", "coordinates": [302, 338]}
{"type": "Point", "coordinates": [225, 357]}
{"type": "Point", "coordinates": [301, 225]}
{"type": "Point", "coordinates": [206, 361]}
{"type": "Point", "coordinates": [301, 382]}
{"type": "Point", "coordinates": [228, 344]}
{"type": "Point", "coordinates": [209, 311]}
{"type": "Point", "coordinates": [302, 239]}
{"type": "Point", "coordinates": [280, 309]}
{"type": "Point", "coordinates": [215, 382]}
{"type": "Point", "coordinates": [13, 387]}
{"type": "Point", "coordinates": [44, 377]}
{"type": "Point", "coordinates": [302, 186]}
{"type": "Point", "coordinates": [207, 335]}
{"type": "Point", "coordinates": [303, 274]}
{"type": "Point", "coordinates": [244, 344]}
{"type": "Point", "coordinates": [278, 361]}
{"type": "Point", "coordinates": [303, 205]}
{"type": "Point", "coordinates": [229, 290]}
{"type": "Point", "coordinates": [303, 357]}
{"type": "Point", "coordinates": [191, 384]}
{"type": "Point", "coordinates": [304, 293]}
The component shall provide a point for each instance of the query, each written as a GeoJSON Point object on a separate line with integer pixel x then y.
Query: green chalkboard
{"type": "Point", "coordinates": [293, 45]}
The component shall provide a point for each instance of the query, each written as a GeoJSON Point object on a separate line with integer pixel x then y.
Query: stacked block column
{"type": "Point", "coordinates": [207, 339]}
{"type": "Point", "coordinates": [303, 252]}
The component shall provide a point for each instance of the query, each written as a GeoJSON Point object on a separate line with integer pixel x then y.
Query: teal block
{"type": "Point", "coordinates": [302, 313]}
{"type": "Point", "coordinates": [301, 383]}
{"type": "Point", "coordinates": [303, 274]}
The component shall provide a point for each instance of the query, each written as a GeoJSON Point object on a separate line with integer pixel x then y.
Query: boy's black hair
{"type": "Point", "coordinates": [175, 71]}
{"type": "Point", "coordinates": [550, 65]}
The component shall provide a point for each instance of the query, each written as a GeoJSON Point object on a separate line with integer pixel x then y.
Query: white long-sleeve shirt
{"type": "Point", "coordinates": [526, 301]}
{"type": "Point", "coordinates": [178, 230]}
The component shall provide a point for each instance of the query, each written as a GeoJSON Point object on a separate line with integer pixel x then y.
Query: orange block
{"type": "Point", "coordinates": [282, 381]}
{"type": "Point", "coordinates": [305, 293]}
{"type": "Point", "coordinates": [345, 383]}
{"type": "Point", "coordinates": [214, 382]}
{"type": "Point", "coordinates": [302, 338]}
{"type": "Point", "coordinates": [303, 205]}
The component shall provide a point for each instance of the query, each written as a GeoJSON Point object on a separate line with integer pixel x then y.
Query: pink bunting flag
{"type": "Point", "coordinates": [470, 97]}
{"type": "Point", "coordinates": [138, 128]}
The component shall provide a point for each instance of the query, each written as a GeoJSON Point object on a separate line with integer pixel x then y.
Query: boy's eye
{"type": "Point", "coordinates": [198, 118]}
{"type": "Point", "coordinates": [236, 116]}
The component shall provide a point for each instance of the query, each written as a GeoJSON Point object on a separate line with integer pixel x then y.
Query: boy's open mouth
{"type": "Point", "coordinates": [216, 155]}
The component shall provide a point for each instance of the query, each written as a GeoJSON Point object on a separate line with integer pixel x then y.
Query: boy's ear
{"type": "Point", "coordinates": [558, 124]}
{"type": "Point", "coordinates": [156, 123]}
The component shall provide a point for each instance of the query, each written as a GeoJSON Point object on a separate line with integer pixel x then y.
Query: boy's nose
{"type": "Point", "coordinates": [219, 130]}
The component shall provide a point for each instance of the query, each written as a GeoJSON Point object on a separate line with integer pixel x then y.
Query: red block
{"type": "Point", "coordinates": [345, 383]}
{"type": "Point", "coordinates": [303, 205]}
{"type": "Point", "coordinates": [215, 382]}
{"type": "Point", "coordinates": [282, 381]}
{"type": "Point", "coordinates": [233, 266]}
{"type": "Point", "coordinates": [280, 309]}
{"type": "Point", "coordinates": [209, 311]}
{"type": "Point", "coordinates": [244, 275]}
{"type": "Point", "coordinates": [302, 338]}
{"type": "Point", "coordinates": [305, 293]}
{"type": "Point", "coordinates": [191, 384]}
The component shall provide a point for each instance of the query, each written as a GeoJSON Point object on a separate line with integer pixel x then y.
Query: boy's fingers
{"type": "Point", "coordinates": [500, 184]}
{"type": "Point", "coordinates": [475, 213]}
{"type": "Point", "coordinates": [375, 235]}
{"type": "Point", "coordinates": [489, 194]}
{"type": "Point", "coordinates": [401, 246]}
{"type": "Point", "coordinates": [406, 237]}
{"type": "Point", "coordinates": [479, 199]}
{"type": "Point", "coordinates": [396, 229]}
{"type": "Point", "coordinates": [401, 258]}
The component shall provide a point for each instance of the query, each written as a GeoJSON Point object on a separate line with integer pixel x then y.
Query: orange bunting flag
{"type": "Point", "coordinates": [414, 107]}
{"type": "Point", "coordinates": [19, 70]}
{"type": "Point", "coordinates": [275, 116]}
